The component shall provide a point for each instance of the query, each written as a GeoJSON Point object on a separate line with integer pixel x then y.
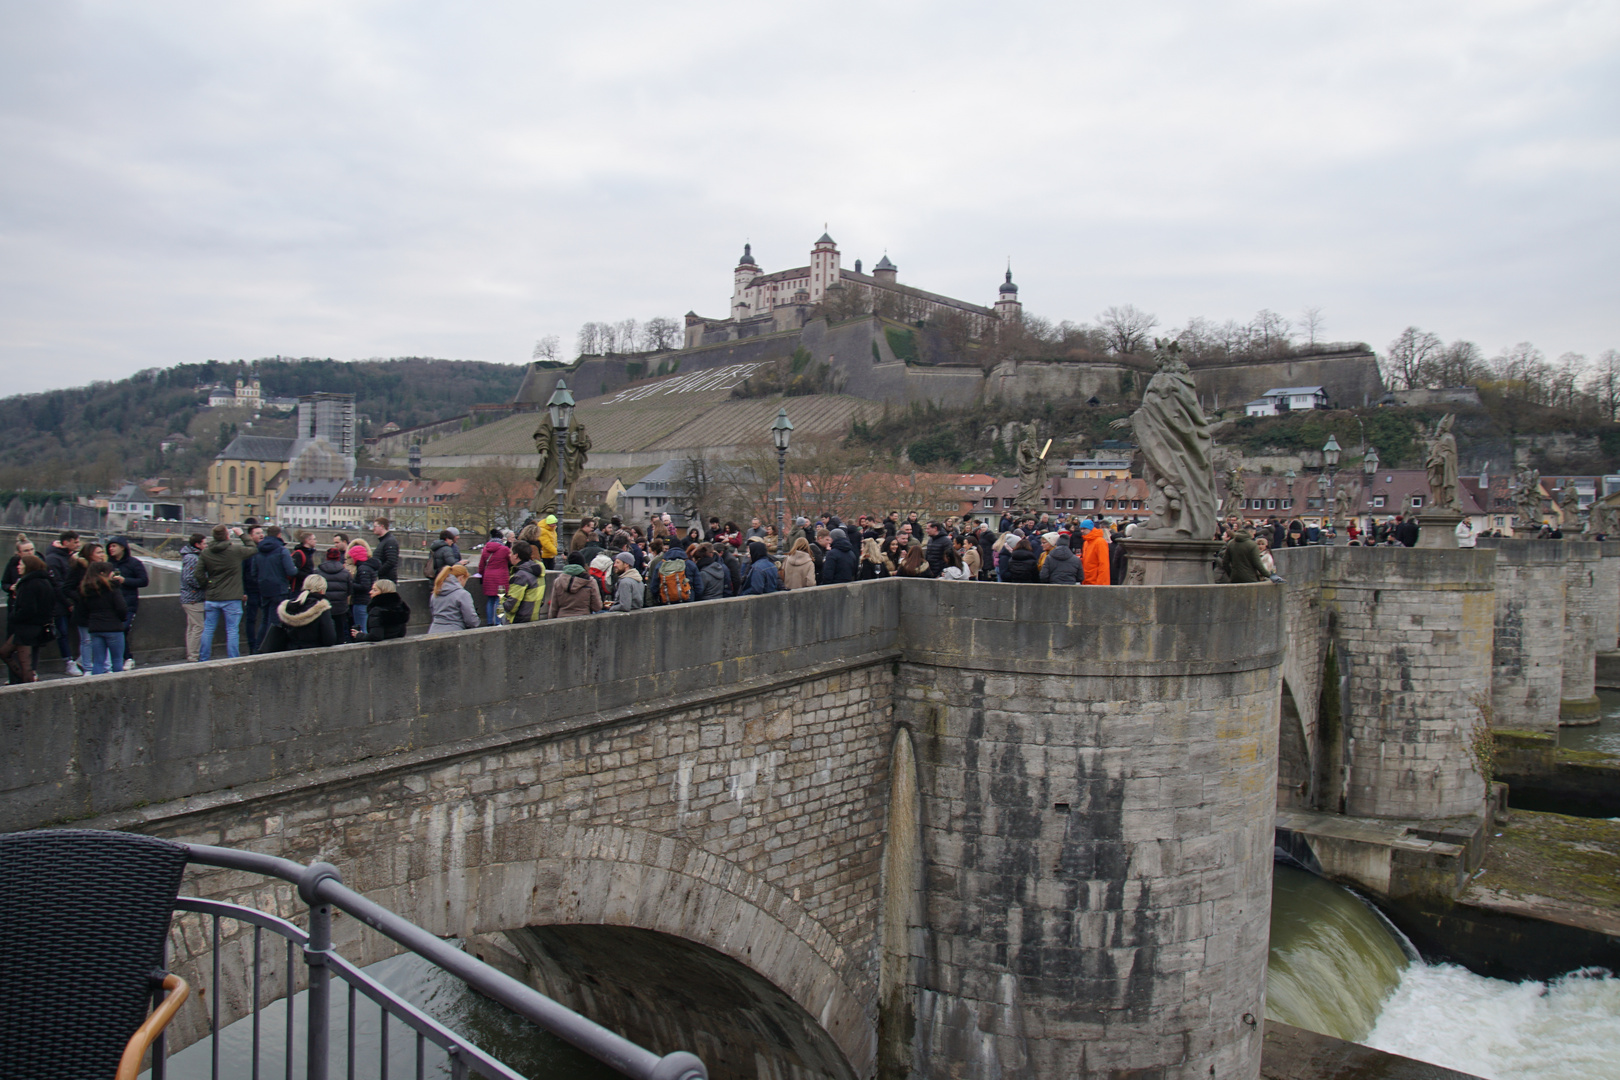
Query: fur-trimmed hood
{"type": "Point", "coordinates": [304, 610]}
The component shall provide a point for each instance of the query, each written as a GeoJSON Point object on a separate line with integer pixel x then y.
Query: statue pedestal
{"type": "Point", "coordinates": [1171, 562]}
{"type": "Point", "coordinates": [1438, 529]}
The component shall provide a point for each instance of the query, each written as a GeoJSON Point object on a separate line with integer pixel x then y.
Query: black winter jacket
{"type": "Point", "coordinates": [937, 547]}
{"type": "Point", "coordinates": [386, 557]}
{"type": "Point", "coordinates": [306, 623]}
{"type": "Point", "coordinates": [838, 564]}
{"type": "Point", "coordinates": [1022, 567]}
{"type": "Point", "coordinates": [339, 583]}
{"type": "Point", "coordinates": [387, 617]}
{"type": "Point", "coordinates": [101, 611]}
{"type": "Point", "coordinates": [33, 607]}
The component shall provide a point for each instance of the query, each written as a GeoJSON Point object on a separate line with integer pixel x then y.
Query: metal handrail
{"type": "Point", "coordinates": [321, 887]}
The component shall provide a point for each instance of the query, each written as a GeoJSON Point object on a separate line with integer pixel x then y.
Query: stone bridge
{"type": "Point", "coordinates": [955, 830]}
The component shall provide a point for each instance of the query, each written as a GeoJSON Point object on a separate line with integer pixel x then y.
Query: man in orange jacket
{"type": "Point", "coordinates": [1094, 553]}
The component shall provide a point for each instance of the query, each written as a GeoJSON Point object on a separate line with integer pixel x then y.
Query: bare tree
{"type": "Point", "coordinates": [590, 339]}
{"type": "Point", "coordinates": [547, 348]}
{"type": "Point", "coordinates": [1271, 332]}
{"type": "Point", "coordinates": [659, 333]}
{"type": "Point", "coordinates": [1409, 362]}
{"type": "Point", "coordinates": [1603, 383]}
{"type": "Point", "coordinates": [629, 334]}
{"type": "Point", "coordinates": [1459, 364]}
{"type": "Point", "coordinates": [1311, 323]}
{"type": "Point", "coordinates": [498, 493]}
{"type": "Point", "coordinates": [1127, 328]}
{"type": "Point", "coordinates": [1522, 369]}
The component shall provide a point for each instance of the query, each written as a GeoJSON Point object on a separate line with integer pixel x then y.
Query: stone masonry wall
{"type": "Point", "coordinates": [1528, 649]}
{"type": "Point", "coordinates": [753, 826]}
{"type": "Point", "coordinates": [1414, 629]}
{"type": "Point", "coordinates": [1305, 629]}
{"type": "Point", "coordinates": [1097, 773]}
{"type": "Point", "coordinates": [1584, 604]}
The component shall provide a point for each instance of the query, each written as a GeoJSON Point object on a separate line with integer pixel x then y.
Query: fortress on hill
{"type": "Point", "coordinates": [871, 337]}
{"type": "Point", "coordinates": [764, 303]}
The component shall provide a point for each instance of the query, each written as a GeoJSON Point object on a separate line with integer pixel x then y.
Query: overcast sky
{"type": "Point", "coordinates": [186, 181]}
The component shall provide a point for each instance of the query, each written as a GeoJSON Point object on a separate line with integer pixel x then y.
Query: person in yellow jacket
{"type": "Point", "coordinates": [548, 540]}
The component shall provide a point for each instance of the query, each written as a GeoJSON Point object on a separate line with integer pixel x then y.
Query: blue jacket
{"type": "Point", "coordinates": [272, 569]}
{"type": "Point", "coordinates": [761, 578]}
{"type": "Point", "coordinates": [133, 571]}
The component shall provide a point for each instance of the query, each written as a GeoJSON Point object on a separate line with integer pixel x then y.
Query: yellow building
{"type": "Point", "coordinates": [247, 477]}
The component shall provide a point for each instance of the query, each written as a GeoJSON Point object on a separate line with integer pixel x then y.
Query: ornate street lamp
{"type": "Point", "coordinates": [561, 408]}
{"type": "Point", "coordinates": [781, 431]}
{"type": "Point", "coordinates": [1330, 464]}
{"type": "Point", "coordinates": [1369, 465]}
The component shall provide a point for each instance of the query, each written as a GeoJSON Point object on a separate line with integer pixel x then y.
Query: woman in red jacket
{"type": "Point", "coordinates": [494, 570]}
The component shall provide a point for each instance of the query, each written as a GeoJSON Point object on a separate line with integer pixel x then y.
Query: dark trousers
{"type": "Point", "coordinates": [264, 615]}
{"type": "Point", "coordinates": [67, 637]}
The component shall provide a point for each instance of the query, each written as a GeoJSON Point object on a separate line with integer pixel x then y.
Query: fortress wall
{"type": "Point", "coordinates": [1351, 379]}
{"type": "Point", "coordinates": [1527, 653]}
{"type": "Point", "coordinates": [1021, 381]}
{"type": "Point", "coordinates": [1414, 631]}
{"type": "Point", "coordinates": [1097, 771]}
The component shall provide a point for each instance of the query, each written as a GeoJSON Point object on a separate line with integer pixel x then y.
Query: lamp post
{"type": "Point", "coordinates": [561, 408]}
{"type": "Point", "coordinates": [1369, 467]}
{"type": "Point", "coordinates": [781, 431]}
{"type": "Point", "coordinates": [1330, 467]}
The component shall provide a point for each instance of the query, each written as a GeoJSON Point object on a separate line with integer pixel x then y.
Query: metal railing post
{"type": "Point", "coordinates": [320, 987]}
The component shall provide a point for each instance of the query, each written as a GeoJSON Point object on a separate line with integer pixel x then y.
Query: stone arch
{"type": "Point", "coordinates": [624, 877]}
{"type": "Point", "coordinates": [1293, 753]}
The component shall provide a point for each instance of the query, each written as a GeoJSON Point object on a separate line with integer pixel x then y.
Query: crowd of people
{"type": "Point", "coordinates": [269, 596]}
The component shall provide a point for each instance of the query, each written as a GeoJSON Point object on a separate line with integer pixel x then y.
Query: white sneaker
{"type": "Point", "coordinates": [129, 665]}
{"type": "Point", "coordinates": [73, 668]}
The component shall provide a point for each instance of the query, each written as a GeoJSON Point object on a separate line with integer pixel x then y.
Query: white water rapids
{"type": "Point", "coordinates": [1338, 968]}
{"type": "Point", "coordinates": [1568, 1029]}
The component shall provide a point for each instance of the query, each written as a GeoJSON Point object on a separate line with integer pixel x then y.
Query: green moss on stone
{"type": "Point", "coordinates": [1574, 859]}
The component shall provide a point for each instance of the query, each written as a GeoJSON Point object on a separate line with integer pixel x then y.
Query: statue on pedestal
{"type": "Point", "coordinates": [545, 444]}
{"type": "Point", "coordinates": [1031, 475]}
{"type": "Point", "coordinates": [1527, 498]}
{"type": "Point", "coordinates": [575, 453]}
{"type": "Point", "coordinates": [1441, 463]}
{"type": "Point", "coordinates": [1176, 444]}
{"type": "Point", "coordinates": [1235, 490]}
{"type": "Point", "coordinates": [1343, 505]}
{"type": "Point", "coordinates": [1569, 506]}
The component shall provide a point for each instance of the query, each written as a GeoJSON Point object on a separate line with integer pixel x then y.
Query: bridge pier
{"type": "Point", "coordinates": [1527, 655]}
{"type": "Point", "coordinates": [1098, 770]}
{"type": "Point", "coordinates": [1588, 600]}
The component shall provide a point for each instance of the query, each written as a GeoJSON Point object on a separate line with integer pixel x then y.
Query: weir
{"type": "Point", "coordinates": [969, 830]}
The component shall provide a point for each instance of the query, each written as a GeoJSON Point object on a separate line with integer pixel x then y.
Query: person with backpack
{"type": "Point", "coordinates": [761, 578]}
{"type": "Point", "coordinates": [672, 575]}
{"type": "Point", "coordinates": [305, 558]}
{"type": "Point", "coordinates": [575, 592]}
{"type": "Point", "coordinates": [525, 586]}
{"type": "Point", "coordinates": [714, 581]}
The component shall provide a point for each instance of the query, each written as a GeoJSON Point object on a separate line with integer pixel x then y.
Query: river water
{"type": "Point", "coordinates": [1603, 735]}
{"type": "Point", "coordinates": [1339, 968]}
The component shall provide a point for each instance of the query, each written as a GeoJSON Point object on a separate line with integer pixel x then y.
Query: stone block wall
{"type": "Point", "coordinates": [1527, 654]}
{"type": "Point", "coordinates": [1414, 630]}
{"type": "Point", "coordinates": [1299, 738]}
{"type": "Point", "coordinates": [1586, 604]}
{"type": "Point", "coordinates": [1097, 775]}
{"type": "Point", "coordinates": [752, 825]}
